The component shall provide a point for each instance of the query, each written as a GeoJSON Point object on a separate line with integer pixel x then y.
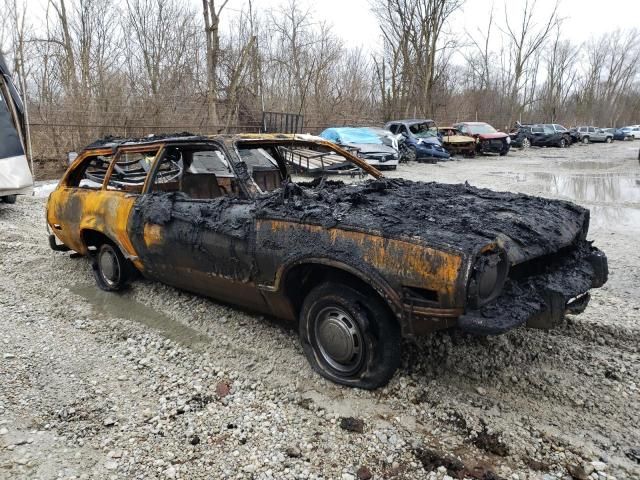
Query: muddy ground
{"type": "Point", "coordinates": [157, 383]}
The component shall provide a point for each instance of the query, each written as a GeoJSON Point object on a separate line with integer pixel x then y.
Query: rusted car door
{"type": "Point", "coordinates": [97, 197]}
{"type": "Point", "coordinates": [204, 245]}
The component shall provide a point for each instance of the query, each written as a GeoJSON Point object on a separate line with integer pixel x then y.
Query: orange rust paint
{"type": "Point", "coordinates": [152, 235]}
{"type": "Point", "coordinates": [419, 266]}
{"type": "Point", "coordinates": [104, 211]}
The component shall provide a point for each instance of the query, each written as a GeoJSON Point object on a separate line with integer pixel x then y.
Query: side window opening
{"type": "Point", "coordinates": [130, 171]}
{"type": "Point", "coordinates": [91, 173]}
{"type": "Point", "coordinates": [263, 167]}
{"type": "Point", "coordinates": [199, 172]}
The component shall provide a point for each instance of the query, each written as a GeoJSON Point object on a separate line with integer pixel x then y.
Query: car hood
{"type": "Point", "coordinates": [452, 217]}
{"type": "Point", "coordinates": [492, 136]}
{"type": "Point", "coordinates": [373, 148]}
{"type": "Point", "coordinates": [457, 139]}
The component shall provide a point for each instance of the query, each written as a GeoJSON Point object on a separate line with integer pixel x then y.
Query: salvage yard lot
{"type": "Point", "coordinates": [160, 383]}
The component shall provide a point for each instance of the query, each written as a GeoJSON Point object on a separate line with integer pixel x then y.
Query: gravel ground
{"type": "Point", "coordinates": [158, 383]}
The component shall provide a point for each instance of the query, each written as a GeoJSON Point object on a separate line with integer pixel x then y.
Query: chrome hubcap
{"type": "Point", "coordinates": [339, 339]}
{"type": "Point", "coordinates": [109, 267]}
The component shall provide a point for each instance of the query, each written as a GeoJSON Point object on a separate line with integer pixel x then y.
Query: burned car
{"type": "Point", "coordinates": [456, 143]}
{"type": "Point", "coordinates": [356, 266]}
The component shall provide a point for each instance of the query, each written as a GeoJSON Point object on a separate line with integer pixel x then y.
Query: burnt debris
{"type": "Point", "coordinates": [459, 216]}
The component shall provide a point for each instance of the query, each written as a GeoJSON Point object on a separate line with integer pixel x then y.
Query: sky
{"type": "Point", "coordinates": [354, 22]}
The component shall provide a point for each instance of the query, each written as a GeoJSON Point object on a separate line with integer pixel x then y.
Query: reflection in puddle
{"type": "Point", "coordinates": [604, 187]}
{"type": "Point", "coordinates": [125, 307]}
{"type": "Point", "coordinates": [614, 218]}
{"type": "Point", "coordinates": [588, 165]}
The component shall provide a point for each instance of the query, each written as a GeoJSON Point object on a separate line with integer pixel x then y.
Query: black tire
{"type": "Point", "coordinates": [526, 143]}
{"type": "Point", "coordinates": [349, 338]}
{"type": "Point", "coordinates": [585, 140]}
{"type": "Point", "coordinates": [608, 140]}
{"type": "Point", "coordinates": [111, 270]}
{"type": "Point", "coordinates": [563, 143]}
{"type": "Point", "coordinates": [10, 198]}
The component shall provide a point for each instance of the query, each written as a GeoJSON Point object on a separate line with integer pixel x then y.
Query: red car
{"type": "Point", "coordinates": [488, 139]}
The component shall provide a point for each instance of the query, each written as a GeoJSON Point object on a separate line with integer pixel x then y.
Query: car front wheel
{"type": "Point", "coordinates": [526, 143]}
{"type": "Point", "coordinates": [608, 140]}
{"type": "Point", "coordinates": [111, 270]}
{"type": "Point", "coordinates": [349, 338]}
{"type": "Point", "coordinates": [563, 143]}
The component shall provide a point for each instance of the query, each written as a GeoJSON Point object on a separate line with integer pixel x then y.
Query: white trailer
{"type": "Point", "coordinates": [15, 175]}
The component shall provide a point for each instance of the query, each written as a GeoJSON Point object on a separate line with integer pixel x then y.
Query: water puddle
{"type": "Point", "coordinates": [615, 218]}
{"type": "Point", "coordinates": [589, 165]}
{"type": "Point", "coordinates": [594, 188]}
{"type": "Point", "coordinates": [125, 307]}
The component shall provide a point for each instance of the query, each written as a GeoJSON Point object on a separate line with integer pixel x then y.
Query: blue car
{"type": "Point", "coordinates": [369, 145]}
{"type": "Point", "coordinates": [421, 139]}
{"type": "Point", "coordinates": [624, 133]}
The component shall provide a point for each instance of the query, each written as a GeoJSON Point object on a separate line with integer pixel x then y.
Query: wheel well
{"type": "Point", "coordinates": [92, 239]}
{"type": "Point", "coordinates": [301, 279]}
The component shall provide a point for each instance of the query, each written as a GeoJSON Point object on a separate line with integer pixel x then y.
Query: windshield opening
{"type": "Point", "coordinates": [481, 128]}
{"type": "Point", "coordinates": [424, 129]}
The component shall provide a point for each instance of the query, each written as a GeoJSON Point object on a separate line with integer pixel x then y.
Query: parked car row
{"type": "Point", "coordinates": [555, 135]}
{"type": "Point", "coordinates": [418, 140]}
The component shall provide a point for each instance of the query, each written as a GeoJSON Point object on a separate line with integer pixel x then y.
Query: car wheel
{"type": "Point", "coordinates": [10, 198]}
{"type": "Point", "coordinates": [526, 143]}
{"type": "Point", "coordinates": [608, 140]}
{"type": "Point", "coordinates": [585, 140]}
{"type": "Point", "coordinates": [411, 154]}
{"type": "Point", "coordinates": [349, 338]}
{"type": "Point", "coordinates": [563, 143]}
{"type": "Point", "coordinates": [111, 270]}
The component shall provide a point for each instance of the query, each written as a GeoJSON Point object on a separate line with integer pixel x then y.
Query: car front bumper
{"type": "Point", "coordinates": [541, 300]}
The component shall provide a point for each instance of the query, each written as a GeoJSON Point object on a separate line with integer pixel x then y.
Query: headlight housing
{"type": "Point", "coordinates": [487, 278]}
{"type": "Point", "coordinates": [508, 140]}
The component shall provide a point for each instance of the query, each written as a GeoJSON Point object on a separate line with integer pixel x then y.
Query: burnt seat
{"type": "Point", "coordinates": [200, 185]}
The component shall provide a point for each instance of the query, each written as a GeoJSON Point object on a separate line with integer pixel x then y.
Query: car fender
{"type": "Point", "coordinates": [367, 275]}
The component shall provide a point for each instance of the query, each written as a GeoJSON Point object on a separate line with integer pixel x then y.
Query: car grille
{"type": "Point", "coordinates": [496, 143]}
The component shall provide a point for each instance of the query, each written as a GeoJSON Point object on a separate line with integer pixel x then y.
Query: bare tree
{"type": "Point", "coordinates": [212, 34]}
{"type": "Point", "coordinates": [525, 35]}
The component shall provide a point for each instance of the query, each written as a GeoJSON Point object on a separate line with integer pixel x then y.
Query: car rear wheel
{"type": "Point", "coordinates": [10, 198]}
{"type": "Point", "coordinates": [111, 270]}
{"type": "Point", "coordinates": [526, 143]}
{"type": "Point", "coordinates": [349, 338]}
{"type": "Point", "coordinates": [585, 140]}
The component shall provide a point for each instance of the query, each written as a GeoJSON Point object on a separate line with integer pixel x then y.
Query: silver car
{"type": "Point", "coordinates": [594, 134]}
